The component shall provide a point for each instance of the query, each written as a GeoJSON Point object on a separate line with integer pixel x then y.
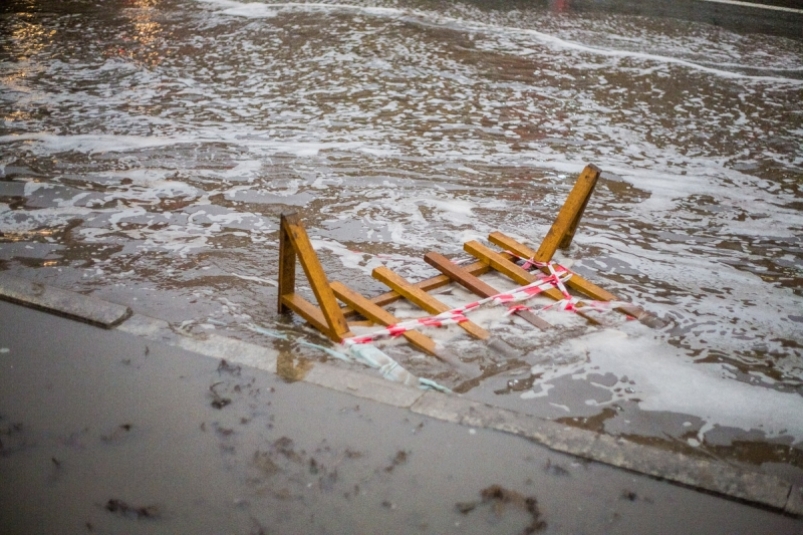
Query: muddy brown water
{"type": "Point", "coordinates": [158, 142]}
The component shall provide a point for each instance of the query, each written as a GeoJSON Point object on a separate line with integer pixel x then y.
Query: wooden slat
{"type": "Point", "coordinates": [359, 323]}
{"type": "Point", "coordinates": [569, 216]}
{"type": "Point", "coordinates": [423, 299]}
{"type": "Point", "coordinates": [521, 276]}
{"type": "Point", "coordinates": [456, 273]}
{"type": "Point", "coordinates": [501, 264]}
{"type": "Point", "coordinates": [316, 277]}
{"type": "Point", "coordinates": [576, 282]}
{"type": "Point", "coordinates": [381, 316]}
{"type": "Point", "coordinates": [475, 285]}
{"type": "Point", "coordinates": [432, 283]}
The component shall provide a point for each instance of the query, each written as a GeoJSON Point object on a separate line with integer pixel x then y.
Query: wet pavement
{"type": "Point", "coordinates": [105, 432]}
{"type": "Point", "coordinates": [148, 147]}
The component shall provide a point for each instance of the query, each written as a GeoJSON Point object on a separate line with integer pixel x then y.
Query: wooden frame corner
{"type": "Point", "coordinates": [295, 244]}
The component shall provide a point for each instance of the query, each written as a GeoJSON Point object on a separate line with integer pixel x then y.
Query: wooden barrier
{"type": "Point", "coordinates": [330, 318]}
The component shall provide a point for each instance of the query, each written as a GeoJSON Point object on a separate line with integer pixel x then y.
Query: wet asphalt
{"type": "Point", "coordinates": [105, 432]}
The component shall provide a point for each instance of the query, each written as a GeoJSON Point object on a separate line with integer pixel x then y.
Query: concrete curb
{"type": "Point", "coordinates": [62, 302]}
{"type": "Point", "coordinates": [710, 476]}
{"type": "Point", "coordinates": [213, 345]}
{"type": "Point", "coordinates": [363, 386]}
{"type": "Point", "coordinates": [703, 474]}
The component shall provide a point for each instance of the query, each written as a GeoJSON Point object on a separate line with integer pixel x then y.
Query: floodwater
{"type": "Point", "coordinates": [157, 142]}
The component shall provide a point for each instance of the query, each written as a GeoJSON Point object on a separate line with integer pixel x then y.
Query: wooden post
{"type": "Point", "coordinates": [287, 266]}
{"type": "Point", "coordinates": [293, 241]}
{"type": "Point", "coordinates": [562, 231]}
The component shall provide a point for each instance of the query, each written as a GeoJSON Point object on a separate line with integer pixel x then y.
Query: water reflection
{"type": "Point", "coordinates": [146, 31]}
{"type": "Point", "coordinates": [27, 36]}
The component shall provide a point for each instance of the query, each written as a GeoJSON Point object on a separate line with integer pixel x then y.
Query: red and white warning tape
{"type": "Point", "coordinates": [569, 302]}
{"type": "Point", "coordinates": [558, 275]}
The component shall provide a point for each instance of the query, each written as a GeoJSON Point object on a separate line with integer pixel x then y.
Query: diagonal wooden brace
{"type": "Point", "coordinates": [576, 282]}
{"type": "Point", "coordinates": [381, 316]}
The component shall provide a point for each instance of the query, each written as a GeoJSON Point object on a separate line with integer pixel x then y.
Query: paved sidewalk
{"type": "Point", "coordinates": [104, 431]}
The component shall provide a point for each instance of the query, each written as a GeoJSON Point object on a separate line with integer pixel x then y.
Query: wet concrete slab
{"type": "Point", "coordinates": [65, 303]}
{"type": "Point", "coordinates": [364, 386]}
{"type": "Point", "coordinates": [702, 474]}
{"type": "Point", "coordinates": [105, 432]}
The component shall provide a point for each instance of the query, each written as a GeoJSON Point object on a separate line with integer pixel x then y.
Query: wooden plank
{"type": "Point", "coordinates": [577, 282]}
{"type": "Point", "coordinates": [358, 323]}
{"type": "Point", "coordinates": [312, 314]}
{"type": "Point", "coordinates": [297, 236]}
{"type": "Point", "coordinates": [521, 276]}
{"type": "Point", "coordinates": [287, 268]}
{"type": "Point", "coordinates": [381, 316]}
{"type": "Point", "coordinates": [475, 285]}
{"type": "Point", "coordinates": [423, 299]}
{"type": "Point", "coordinates": [569, 215]}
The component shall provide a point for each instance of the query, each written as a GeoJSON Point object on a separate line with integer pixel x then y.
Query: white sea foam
{"type": "Point", "coordinates": [48, 143]}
